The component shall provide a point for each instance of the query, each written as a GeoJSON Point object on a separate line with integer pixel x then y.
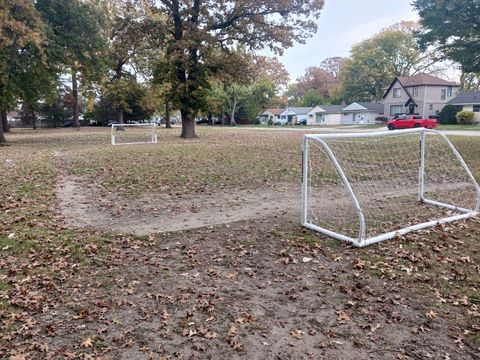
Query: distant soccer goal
{"type": "Point", "coordinates": [368, 187]}
{"type": "Point", "coordinates": [129, 134]}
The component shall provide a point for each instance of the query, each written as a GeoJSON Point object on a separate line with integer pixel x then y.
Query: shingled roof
{"type": "Point", "coordinates": [466, 98]}
{"type": "Point", "coordinates": [424, 79]}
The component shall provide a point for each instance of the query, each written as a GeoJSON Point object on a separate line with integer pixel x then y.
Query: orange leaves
{"type": "Point", "coordinates": [87, 343]}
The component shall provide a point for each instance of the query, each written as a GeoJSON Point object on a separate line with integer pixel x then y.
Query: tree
{"type": "Point", "coordinates": [76, 35]}
{"type": "Point", "coordinates": [452, 26]}
{"type": "Point", "coordinates": [376, 61]}
{"type": "Point", "coordinates": [130, 45]}
{"type": "Point", "coordinates": [197, 29]}
{"type": "Point", "coordinates": [21, 34]}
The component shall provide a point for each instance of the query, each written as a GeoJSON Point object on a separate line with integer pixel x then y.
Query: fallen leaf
{"type": "Point", "coordinates": [87, 343]}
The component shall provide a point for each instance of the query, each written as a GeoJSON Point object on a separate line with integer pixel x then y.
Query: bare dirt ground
{"type": "Point", "coordinates": [89, 207]}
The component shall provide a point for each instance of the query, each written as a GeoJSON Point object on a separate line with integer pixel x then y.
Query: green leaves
{"type": "Point", "coordinates": [452, 26]}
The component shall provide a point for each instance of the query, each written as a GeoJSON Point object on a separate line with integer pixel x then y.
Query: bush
{"type": "Point", "coordinates": [270, 122]}
{"type": "Point", "coordinates": [447, 115]}
{"type": "Point", "coordinates": [465, 117]}
{"type": "Point", "coordinates": [257, 122]}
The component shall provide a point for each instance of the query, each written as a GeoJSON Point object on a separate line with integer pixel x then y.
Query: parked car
{"type": "Point", "coordinates": [301, 122]}
{"type": "Point", "coordinates": [201, 121]}
{"type": "Point", "coordinates": [410, 121]}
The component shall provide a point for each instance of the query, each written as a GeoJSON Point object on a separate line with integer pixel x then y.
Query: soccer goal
{"type": "Point", "coordinates": [368, 187]}
{"type": "Point", "coordinates": [128, 134]}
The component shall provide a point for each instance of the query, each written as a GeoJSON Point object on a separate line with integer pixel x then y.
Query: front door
{"type": "Point", "coordinates": [320, 119]}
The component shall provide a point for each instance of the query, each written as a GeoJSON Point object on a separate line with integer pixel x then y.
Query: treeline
{"type": "Point", "coordinates": [131, 58]}
{"type": "Point", "coordinates": [403, 49]}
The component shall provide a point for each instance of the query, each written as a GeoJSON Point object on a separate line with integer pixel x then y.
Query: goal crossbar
{"type": "Point", "coordinates": [362, 239]}
{"type": "Point", "coordinates": [151, 138]}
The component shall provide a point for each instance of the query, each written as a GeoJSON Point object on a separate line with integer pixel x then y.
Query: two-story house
{"type": "Point", "coordinates": [420, 94]}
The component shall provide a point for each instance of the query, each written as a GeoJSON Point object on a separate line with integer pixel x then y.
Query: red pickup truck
{"type": "Point", "coordinates": [410, 121]}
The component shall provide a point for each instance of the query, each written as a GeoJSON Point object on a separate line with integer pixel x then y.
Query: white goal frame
{"type": "Point", "coordinates": [362, 240]}
{"type": "Point", "coordinates": [153, 139]}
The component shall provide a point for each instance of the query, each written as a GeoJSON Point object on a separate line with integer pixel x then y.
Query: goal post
{"type": "Point", "coordinates": [368, 187]}
{"type": "Point", "coordinates": [130, 134]}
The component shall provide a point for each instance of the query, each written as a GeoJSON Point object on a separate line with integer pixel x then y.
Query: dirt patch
{"type": "Point", "coordinates": [244, 292]}
{"type": "Point", "coordinates": [88, 206]}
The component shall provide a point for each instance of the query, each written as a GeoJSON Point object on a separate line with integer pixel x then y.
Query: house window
{"type": "Point", "coordinates": [476, 108]}
{"type": "Point", "coordinates": [430, 106]}
{"type": "Point", "coordinates": [396, 109]}
{"type": "Point", "coordinates": [397, 92]}
{"type": "Point", "coordinates": [443, 94]}
{"type": "Point", "coordinates": [449, 91]}
{"type": "Point", "coordinates": [459, 108]}
{"type": "Point", "coordinates": [415, 91]}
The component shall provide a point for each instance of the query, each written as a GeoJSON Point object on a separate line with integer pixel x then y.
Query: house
{"type": "Point", "coordinates": [325, 115]}
{"type": "Point", "coordinates": [294, 115]}
{"type": "Point", "coordinates": [270, 115]}
{"type": "Point", "coordinates": [468, 101]}
{"type": "Point", "coordinates": [420, 94]}
{"type": "Point", "coordinates": [361, 113]}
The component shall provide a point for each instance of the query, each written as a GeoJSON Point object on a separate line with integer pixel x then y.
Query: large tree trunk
{"type": "Point", "coordinates": [188, 126]}
{"type": "Point", "coordinates": [168, 123]}
{"type": "Point", "coordinates": [4, 121]}
{"type": "Point", "coordinates": [76, 118]}
{"type": "Point", "coordinates": [119, 116]}
{"type": "Point", "coordinates": [3, 141]}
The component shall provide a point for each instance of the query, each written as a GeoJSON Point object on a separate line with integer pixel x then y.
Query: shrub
{"type": "Point", "coordinates": [447, 115]}
{"type": "Point", "coordinates": [270, 122]}
{"type": "Point", "coordinates": [257, 122]}
{"type": "Point", "coordinates": [465, 117]}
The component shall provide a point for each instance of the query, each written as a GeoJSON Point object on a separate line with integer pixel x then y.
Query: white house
{"type": "Point", "coordinates": [361, 113]}
{"type": "Point", "coordinates": [468, 101]}
{"type": "Point", "coordinates": [325, 115]}
{"type": "Point", "coordinates": [294, 115]}
{"type": "Point", "coordinates": [270, 115]}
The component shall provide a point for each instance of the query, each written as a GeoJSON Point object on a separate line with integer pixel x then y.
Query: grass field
{"type": "Point", "coordinates": [253, 285]}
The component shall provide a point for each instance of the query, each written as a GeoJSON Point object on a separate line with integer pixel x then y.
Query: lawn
{"type": "Point", "coordinates": [239, 277]}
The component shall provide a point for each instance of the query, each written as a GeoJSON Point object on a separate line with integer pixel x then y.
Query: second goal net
{"type": "Point", "coordinates": [368, 187]}
{"type": "Point", "coordinates": [128, 134]}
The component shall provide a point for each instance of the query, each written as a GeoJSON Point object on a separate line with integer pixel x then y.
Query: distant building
{"type": "Point", "coordinates": [468, 101]}
{"type": "Point", "coordinates": [420, 94]}
{"type": "Point", "coordinates": [325, 115]}
{"type": "Point", "coordinates": [294, 115]}
{"type": "Point", "coordinates": [360, 113]}
{"type": "Point", "coordinates": [270, 115]}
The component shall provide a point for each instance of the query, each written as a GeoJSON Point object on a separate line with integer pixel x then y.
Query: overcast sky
{"type": "Point", "coordinates": [342, 24]}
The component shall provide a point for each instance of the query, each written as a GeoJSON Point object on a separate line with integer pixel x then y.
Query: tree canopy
{"type": "Point", "coordinates": [196, 30]}
{"type": "Point", "coordinates": [453, 27]}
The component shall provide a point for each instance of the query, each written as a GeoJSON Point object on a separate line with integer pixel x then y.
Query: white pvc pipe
{"type": "Point", "coordinates": [392, 234]}
{"type": "Point", "coordinates": [447, 206]}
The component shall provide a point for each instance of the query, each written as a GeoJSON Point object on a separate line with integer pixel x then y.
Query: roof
{"type": "Point", "coordinates": [299, 110]}
{"type": "Point", "coordinates": [372, 106]}
{"type": "Point", "coordinates": [424, 79]}
{"type": "Point", "coordinates": [329, 109]}
{"type": "Point", "coordinates": [466, 98]}
{"type": "Point", "coordinates": [418, 80]}
{"type": "Point", "coordinates": [332, 108]}
{"type": "Point", "coordinates": [275, 111]}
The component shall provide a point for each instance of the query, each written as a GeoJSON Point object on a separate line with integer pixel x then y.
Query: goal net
{"type": "Point", "coordinates": [368, 187]}
{"type": "Point", "coordinates": [128, 134]}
